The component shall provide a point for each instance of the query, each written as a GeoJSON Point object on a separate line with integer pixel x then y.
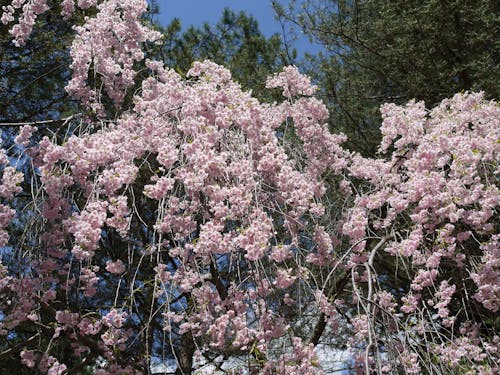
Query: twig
{"type": "Point", "coordinates": [66, 119]}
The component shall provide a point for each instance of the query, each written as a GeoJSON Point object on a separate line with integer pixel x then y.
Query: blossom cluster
{"type": "Point", "coordinates": [188, 215]}
{"type": "Point", "coordinates": [432, 200]}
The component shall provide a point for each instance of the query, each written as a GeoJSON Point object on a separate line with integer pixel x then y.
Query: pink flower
{"type": "Point", "coordinates": [115, 267]}
{"type": "Point", "coordinates": [23, 138]}
{"type": "Point", "coordinates": [292, 82]}
{"type": "Point", "coordinates": [29, 358]}
{"type": "Point", "coordinates": [57, 369]}
{"type": "Point", "coordinates": [114, 318]}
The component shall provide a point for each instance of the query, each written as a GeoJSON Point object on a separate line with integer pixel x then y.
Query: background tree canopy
{"type": "Point", "coordinates": [235, 42]}
{"type": "Point", "coordinates": [394, 51]}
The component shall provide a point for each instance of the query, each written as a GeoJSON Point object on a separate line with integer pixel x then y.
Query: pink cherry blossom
{"type": "Point", "coordinates": [185, 221]}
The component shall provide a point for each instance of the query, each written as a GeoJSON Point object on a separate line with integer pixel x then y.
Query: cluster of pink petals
{"type": "Point", "coordinates": [31, 9]}
{"type": "Point", "coordinates": [23, 138]}
{"type": "Point", "coordinates": [303, 360]}
{"type": "Point", "coordinates": [488, 276]}
{"type": "Point", "coordinates": [292, 82]}
{"type": "Point", "coordinates": [216, 142]}
{"type": "Point", "coordinates": [107, 44]}
{"type": "Point", "coordinates": [9, 187]}
{"type": "Point", "coordinates": [432, 197]}
{"type": "Point", "coordinates": [47, 364]}
{"type": "Point", "coordinates": [215, 166]}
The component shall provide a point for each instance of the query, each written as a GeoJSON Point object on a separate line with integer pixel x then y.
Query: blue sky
{"type": "Point", "coordinates": [196, 12]}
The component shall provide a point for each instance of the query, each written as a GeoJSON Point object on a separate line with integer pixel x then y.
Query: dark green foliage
{"type": "Point", "coordinates": [33, 76]}
{"type": "Point", "coordinates": [394, 51]}
{"type": "Point", "coordinates": [235, 42]}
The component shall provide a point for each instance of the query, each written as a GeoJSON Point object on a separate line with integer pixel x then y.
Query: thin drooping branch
{"type": "Point", "coordinates": [321, 324]}
{"type": "Point", "coordinates": [42, 122]}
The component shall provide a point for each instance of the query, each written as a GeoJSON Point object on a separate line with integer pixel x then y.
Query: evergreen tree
{"type": "Point", "coordinates": [235, 42]}
{"type": "Point", "coordinates": [395, 51]}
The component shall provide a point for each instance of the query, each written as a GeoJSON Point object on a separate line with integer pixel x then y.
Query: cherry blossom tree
{"type": "Point", "coordinates": [430, 204]}
{"type": "Point", "coordinates": [201, 222]}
